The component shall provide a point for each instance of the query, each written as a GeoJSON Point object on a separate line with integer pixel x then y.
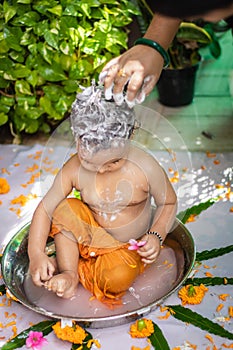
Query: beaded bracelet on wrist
{"type": "Point", "coordinates": [157, 47]}
{"type": "Point", "coordinates": [157, 235]}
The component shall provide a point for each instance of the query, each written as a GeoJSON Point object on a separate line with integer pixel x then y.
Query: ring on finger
{"type": "Point", "coordinates": [121, 73]}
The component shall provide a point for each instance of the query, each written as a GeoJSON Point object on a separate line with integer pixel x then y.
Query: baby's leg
{"type": "Point", "coordinates": [64, 284]}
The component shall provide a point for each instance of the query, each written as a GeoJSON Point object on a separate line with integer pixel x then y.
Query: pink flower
{"type": "Point", "coordinates": [35, 340]}
{"type": "Point", "coordinates": [135, 245]}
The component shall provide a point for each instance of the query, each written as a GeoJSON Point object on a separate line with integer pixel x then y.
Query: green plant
{"type": "Point", "coordinates": [184, 50]}
{"type": "Point", "coordinates": [50, 47]}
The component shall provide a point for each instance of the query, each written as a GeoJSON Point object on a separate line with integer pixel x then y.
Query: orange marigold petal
{"type": "Point", "coordinates": [219, 307]}
{"type": "Point", "coordinates": [208, 274]}
{"type": "Point", "coordinates": [207, 336]}
{"type": "Point", "coordinates": [4, 186]}
{"type": "Point", "coordinates": [223, 296]}
{"type": "Point", "coordinates": [230, 311]}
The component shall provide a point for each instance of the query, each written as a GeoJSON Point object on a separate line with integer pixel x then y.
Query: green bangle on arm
{"type": "Point", "coordinates": [157, 47]}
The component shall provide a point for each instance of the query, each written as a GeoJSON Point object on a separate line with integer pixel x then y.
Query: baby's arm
{"type": "Point", "coordinates": [166, 207]}
{"type": "Point", "coordinates": [40, 265]}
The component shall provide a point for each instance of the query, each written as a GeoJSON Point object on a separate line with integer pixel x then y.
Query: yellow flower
{"type": "Point", "coordinates": [4, 186]}
{"type": "Point", "coordinates": [192, 294]}
{"type": "Point", "coordinates": [141, 328]}
{"type": "Point", "coordinates": [75, 334]}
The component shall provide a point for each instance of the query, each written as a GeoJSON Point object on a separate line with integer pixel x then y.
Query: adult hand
{"type": "Point", "coordinates": [137, 70]}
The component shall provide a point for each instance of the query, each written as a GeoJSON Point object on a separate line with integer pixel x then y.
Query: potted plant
{"type": "Point", "coordinates": [176, 84]}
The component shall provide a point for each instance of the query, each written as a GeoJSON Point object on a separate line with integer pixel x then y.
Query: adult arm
{"type": "Point", "coordinates": [141, 65]}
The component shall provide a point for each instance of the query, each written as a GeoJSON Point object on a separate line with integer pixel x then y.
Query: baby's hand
{"type": "Point", "coordinates": [150, 251]}
{"type": "Point", "coordinates": [41, 268]}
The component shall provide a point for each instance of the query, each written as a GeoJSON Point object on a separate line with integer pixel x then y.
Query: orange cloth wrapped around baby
{"type": "Point", "coordinates": [106, 267]}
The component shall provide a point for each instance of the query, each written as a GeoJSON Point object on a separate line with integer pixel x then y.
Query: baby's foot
{"type": "Point", "coordinates": [64, 284]}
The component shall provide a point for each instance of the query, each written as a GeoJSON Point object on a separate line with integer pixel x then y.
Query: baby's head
{"type": "Point", "coordinates": [98, 124]}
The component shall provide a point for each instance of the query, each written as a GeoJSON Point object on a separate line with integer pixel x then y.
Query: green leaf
{"type": "Point", "coordinates": [32, 78]}
{"type": "Point", "coordinates": [215, 49]}
{"type": "Point", "coordinates": [9, 101]}
{"type": "Point", "coordinates": [183, 216]}
{"type": "Point", "coordinates": [13, 37]}
{"type": "Point", "coordinates": [4, 111]}
{"type": "Point", "coordinates": [158, 340]}
{"type": "Point", "coordinates": [4, 47]}
{"type": "Point", "coordinates": [17, 56]}
{"type": "Point", "coordinates": [3, 118]}
{"type": "Point", "coordinates": [192, 32]}
{"type": "Point", "coordinates": [45, 327]}
{"type": "Point", "coordinates": [4, 84]}
{"type": "Point", "coordinates": [90, 46]}
{"type": "Point", "coordinates": [52, 73]}
{"type": "Point", "coordinates": [70, 86]}
{"type": "Point", "coordinates": [22, 87]}
{"type": "Point", "coordinates": [209, 281]}
{"type": "Point", "coordinates": [213, 253]}
{"type": "Point", "coordinates": [53, 92]}
{"type": "Point", "coordinates": [52, 39]}
{"type": "Point", "coordinates": [28, 19]}
{"type": "Point", "coordinates": [57, 10]}
{"type": "Point", "coordinates": [188, 316]}
{"type": "Point", "coordinates": [20, 71]}
{"type": "Point", "coordinates": [41, 28]}
{"type": "Point", "coordinates": [46, 52]}
{"type": "Point", "coordinates": [9, 11]}
{"type": "Point", "coordinates": [26, 101]}
{"type": "Point", "coordinates": [45, 128]}
{"type": "Point", "coordinates": [24, 1]}
{"type": "Point", "coordinates": [32, 126]}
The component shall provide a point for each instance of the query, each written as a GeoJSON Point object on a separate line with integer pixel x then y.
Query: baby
{"type": "Point", "coordinates": [117, 181]}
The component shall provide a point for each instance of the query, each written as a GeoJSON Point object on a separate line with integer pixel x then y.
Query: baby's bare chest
{"type": "Point", "coordinates": [113, 192]}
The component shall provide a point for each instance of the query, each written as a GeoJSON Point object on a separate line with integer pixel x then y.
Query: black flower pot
{"type": "Point", "coordinates": [176, 86]}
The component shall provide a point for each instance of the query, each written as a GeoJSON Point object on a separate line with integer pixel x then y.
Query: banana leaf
{"type": "Point", "coordinates": [183, 216]}
{"type": "Point", "coordinates": [158, 340]}
{"type": "Point", "coordinates": [213, 253]}
{"type": "Point", "coordinates": [209, 281]}
{"type": "Point", "coordinates": [188, 316]}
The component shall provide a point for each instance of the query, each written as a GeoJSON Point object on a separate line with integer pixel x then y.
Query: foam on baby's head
{"type": "Point", "coordinates": [100, 124]}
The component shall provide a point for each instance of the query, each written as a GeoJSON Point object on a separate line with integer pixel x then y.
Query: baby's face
{"type": "Point", "coordinates": [107, 160]}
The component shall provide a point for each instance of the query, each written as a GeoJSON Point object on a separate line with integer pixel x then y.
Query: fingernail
{"type": "Point", "coordinates": [118, 98]}
{"type": "Point", "coordinates": [108, 93]}
{"type": "Point", "coordinates": [140, 97]}
{"type": "Point", "coordinates": [102, 76]}
{"type": "Point", "coordinates": [130, 104]}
